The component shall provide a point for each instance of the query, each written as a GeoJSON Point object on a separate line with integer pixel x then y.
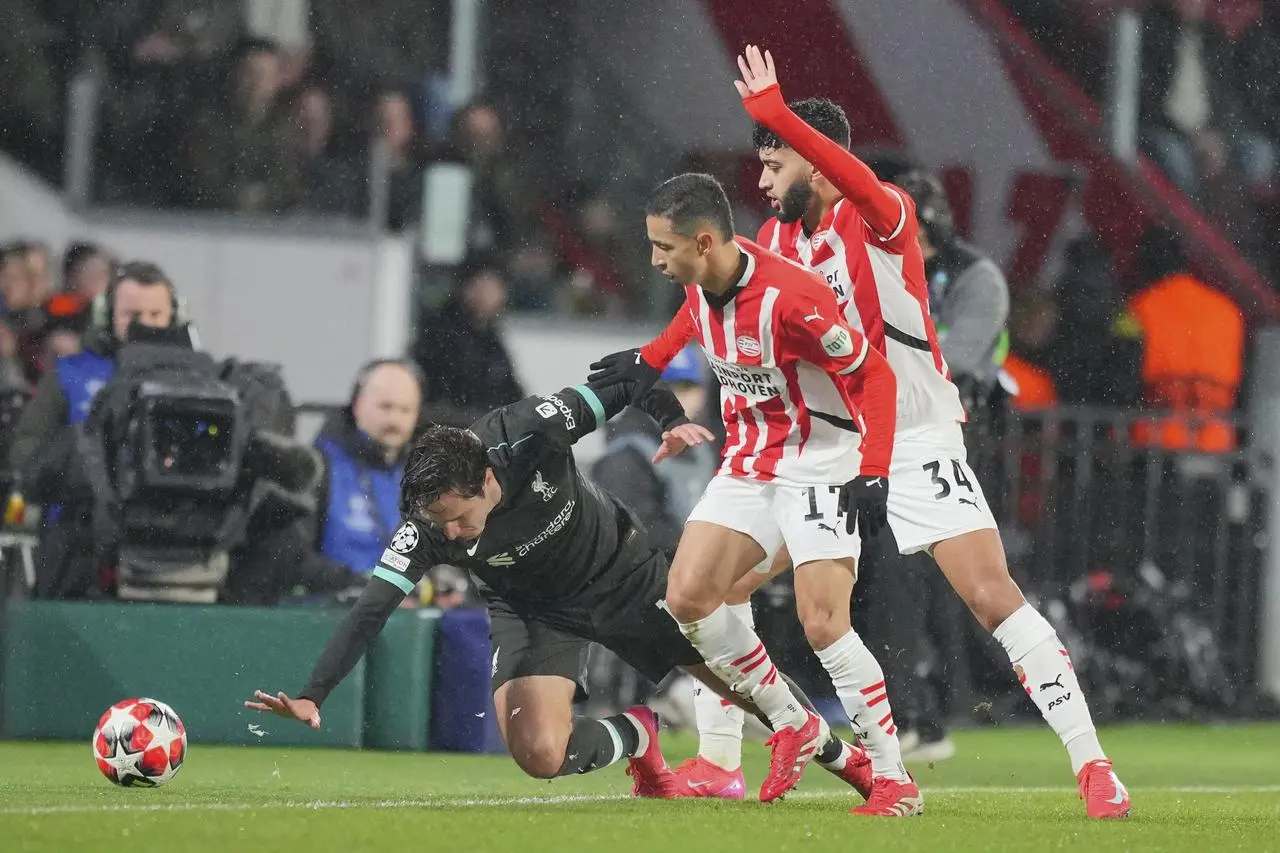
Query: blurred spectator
{"type": "Point", "coordinates": [600, 227]}
{"type": "Point", "coordinates": [66, 319]}
{"type": "Point", "coordinates": [1193, 101]}
{"type": "Point", "coordinates": [383, 39]}
{"type": "Point", "coordinates": [460, 349]}
{"type": "Point", "coordinates": [86, 270]}
{"type": "Point", "coordinates": [502, 212]}
{"type": "Point", "coordinates": [13, 374]}
{"type": "Point", "coordinates": [397, 132]}
{"type": "Point", "coordinates": [31, 91]}
{"type": "Point", "coordinates": [238, 149]}
{"type": "Point", "coordinates": [661, 495]}
{"type": "Point", "coordinates": [158, 54]}
{"type": "Point", "coordinates": [1033, 325]}
{"type": "Point", "coordinates": [39, 274]}
{"type": "Point", "coordinates": [1193, 349]}
{"type": "Point", "coordinates": [24, 276]}
{"type": "Point", "coordinates": [330, 183]}
{"type": "Point", "coordinates": [535, 279]}
{"type": "Point", "coordinates": [363, 448]}
{"type": "Point", "coordinates": [1097, 359]}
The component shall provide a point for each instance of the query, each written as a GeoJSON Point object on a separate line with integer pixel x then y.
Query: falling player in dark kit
{"type": "Point", "coordinates": [560, 563]}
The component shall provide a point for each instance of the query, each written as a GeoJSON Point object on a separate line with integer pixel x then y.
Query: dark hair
{"type": "Point", "coordinates": [690, 200]}
{"type": "Point", "coordinates": [445, 460]}
{"type": "Point", "coordinates": [77, 255]}
{"type": "Point", "coordinates": [888, 164]}
{"type": "Point", "coordinates": [933, 209]}
{"type": "Point", "coordinates": [822, 115]}
{"type": "Point", "coordinates": [143, 272]}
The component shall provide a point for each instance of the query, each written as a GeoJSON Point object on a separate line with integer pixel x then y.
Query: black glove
{"type": "Point", "coordinates": [664, 407]}
{"type": "Point", "coordinates": [625, 366]}
{"type": "Point", "coordinates": [865, 502]}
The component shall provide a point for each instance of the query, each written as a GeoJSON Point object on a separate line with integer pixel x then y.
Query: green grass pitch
{"type": "Point", "coordinates": [1203, 789]}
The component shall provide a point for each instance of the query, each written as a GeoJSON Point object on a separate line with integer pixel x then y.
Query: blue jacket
{"type": "Point", "coordinates": [82, 376]}
{"type": "Point", "coordinates": [361, 508]}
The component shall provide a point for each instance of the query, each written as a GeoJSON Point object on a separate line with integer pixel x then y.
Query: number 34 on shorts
{"type": "Point", "coordinates": [931, 500]}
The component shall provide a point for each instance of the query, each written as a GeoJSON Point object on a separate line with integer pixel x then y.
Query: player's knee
{"type": "Point", "coordinates": [823, 625]}
{"type": "Point", "coordinates": [685, 604]}
{"type": "Point", "coordinates": [539, 755]}
{"type": "Point", "coordinates": [992, 603]}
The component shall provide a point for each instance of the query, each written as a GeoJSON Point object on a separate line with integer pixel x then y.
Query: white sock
{"type": "Point", "coordinates": [1044, 670]}
{"type": "Point", "coordinates": [860, 686]}
{"type": "Point", "coordinates": [734, 652]}
{"type": "Point", "coordinates": [719, 720]}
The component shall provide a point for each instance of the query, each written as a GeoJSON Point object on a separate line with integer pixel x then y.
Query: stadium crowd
{"type": "Point", "coordinates": [200, 111]}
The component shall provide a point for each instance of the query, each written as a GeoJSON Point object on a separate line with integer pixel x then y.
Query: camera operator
{"type": "Point", "coordinates": [968, 296]}
{"type": "Point", "coordinates": [43, 453]}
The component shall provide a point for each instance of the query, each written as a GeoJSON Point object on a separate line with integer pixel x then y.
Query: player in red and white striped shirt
{"type": "Point", "coordinates": [837, 218]}
{"type": "Point", "coordinates": [809, 411]}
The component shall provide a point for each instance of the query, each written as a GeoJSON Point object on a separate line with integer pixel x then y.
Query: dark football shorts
{"type": "Point", "coordinates": [622, 612]}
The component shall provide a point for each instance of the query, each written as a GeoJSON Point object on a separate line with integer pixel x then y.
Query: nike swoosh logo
{"type": "Point", "coordinates": [1121, 792]}
{"type": "Point", "coordinates": [471, 552]}
{"type": "Point", "coordinates": [698, 786]}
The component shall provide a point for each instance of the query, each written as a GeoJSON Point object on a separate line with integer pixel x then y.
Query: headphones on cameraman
{"type": "Point", "coordinates": [933, 211]}
{"type": "Point", "coordinates": [103, 308]}
{"type": "Point", "coordinates": [362, 376]}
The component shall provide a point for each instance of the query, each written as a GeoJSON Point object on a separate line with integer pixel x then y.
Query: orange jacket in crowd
{"type": "Point", "coordinates": [1036, 388]}
{"type": "Point", "coordinates": [1192, 363]}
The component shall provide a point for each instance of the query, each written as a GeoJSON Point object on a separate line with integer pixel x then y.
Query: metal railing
{"type": "Point", "coordinates": [1079, 501]}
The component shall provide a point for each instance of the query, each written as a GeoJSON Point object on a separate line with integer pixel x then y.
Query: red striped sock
{"type": "Point", "coordinates": [859, 683]}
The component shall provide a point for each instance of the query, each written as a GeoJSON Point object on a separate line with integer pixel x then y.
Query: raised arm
{"type": "Point", "coordinates": [882, 207]}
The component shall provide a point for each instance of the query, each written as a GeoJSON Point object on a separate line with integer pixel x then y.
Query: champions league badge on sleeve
{"type": "Point", "coordinates": [405, 539]}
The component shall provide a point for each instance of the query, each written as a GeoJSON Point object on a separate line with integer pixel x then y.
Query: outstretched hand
{"type": "Point", "coordinates": [676, 439]}
{"type": "Point", "coordinates": [302, 710]}
{"type": "Point", "coordinates": [758, 72]}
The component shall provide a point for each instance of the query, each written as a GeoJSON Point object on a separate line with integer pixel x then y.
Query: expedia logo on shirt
{"type": "Point", "coordinates": [757, 383]}
{"type": "Point", "coordinates": [569, 422]}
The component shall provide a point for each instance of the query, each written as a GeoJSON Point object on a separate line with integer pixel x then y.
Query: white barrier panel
{"type": "Point", "coordinates": [550, 353]}
{"type": "Point", "coordinates": [1264, 418]}
{"type": "Point", "coordinates": [318, 298]}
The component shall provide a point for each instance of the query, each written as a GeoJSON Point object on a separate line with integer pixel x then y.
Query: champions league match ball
{"type": "Point", "coordinates": [139, 743]}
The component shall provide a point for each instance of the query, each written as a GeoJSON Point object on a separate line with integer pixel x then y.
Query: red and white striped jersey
{"type": "Point", "coordinates": [790, 370]}
{"type": "Point", "coordinates": [878, 280]}
{"type": "Point", "coordinates": [880, 286]}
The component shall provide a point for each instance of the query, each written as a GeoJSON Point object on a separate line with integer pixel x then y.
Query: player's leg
{"type": "Point", "coordinates": [720, 723]}
{"type": "Point", "coordinates": [651, 642]}
{"type": "Point", "coordinates": [936, 504]}
{"type": "Point", "coordinates": [704, 777]}
{"type": "Point", "coordinates": [538, 672]}
{"type": "Point", "coordinates": [720, 720]}
{"type": "Point", "coordinates": [638, 631]}
{"type": "Point", "coordinates": [729, 532]}
{"type": "Point", "coordinates": [825, 555]}
{"type": "Point", "coordinates": [974, 564]}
